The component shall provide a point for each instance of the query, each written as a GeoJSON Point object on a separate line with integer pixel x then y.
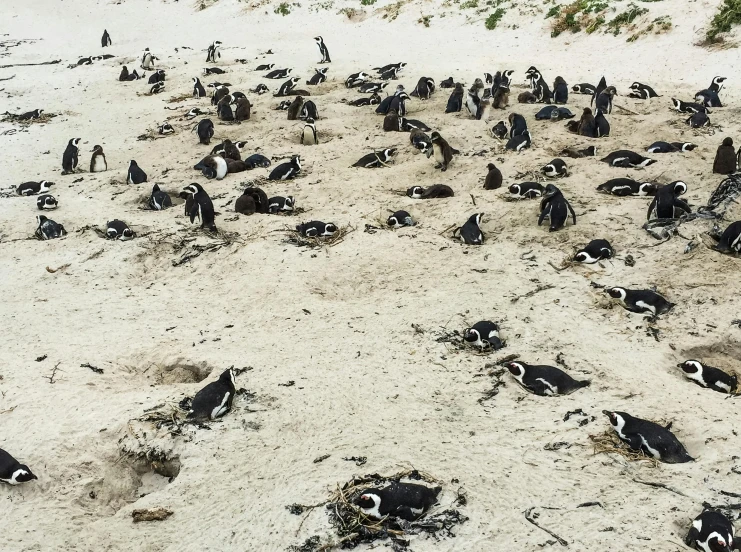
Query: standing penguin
{"type": "Point", "coordinates": [12, 471]}
{"type": "Point", "coordinates": [214, 400]}
{"type": "Point", "coordinates": [556, 208]}
{"type": "Point", "coordinates": [308, 136]}
{"type": "Point", "coordinates": [473, 105]}
{"type": "Point", "coordinates": [604, 100]}
{"type": "Point", "coordinates": [198, 90]}
{"type": "Point", "coordinates": [97, 161]}
{"type": "Point", "coordinates": [147, 59]}
{"type": "Point", "coordinates": [135, 174]}
{"type": "Point", "coordinates": [242, 111]}
{"type": "Point", "coordinates": [203, 208]}
{"type": "Point", "coordinates": [205, 130]}
{"type": "Point", "coordinates": [470, 233]}
{"type": "Point", "coordinates": [725, 158]}
{"type": "Point", "coordinates": [442, 151]}
{"type": "Point", "coordinates": [493, 178]}
{"type": "Point", "coordinates": [322, 49]}
{"type": "Point", "coordinates": [213, 52]}
{"type": "Point", "coordinates": [455, 102]}
{"type": "Point", "coordinates": [648, 437]}
{"type": "Point", "coordinates": [560, 91]}
{"type": "Point", "coordinates": [69, 159]}
{"type": "Point", "coordinates": [106, 40]}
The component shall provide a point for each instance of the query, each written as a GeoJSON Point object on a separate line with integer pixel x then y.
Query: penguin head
{"type": "Point", "coordinates": [488, 78]}
{"type": "Point", "coordinates": [22, 474]}
{"type": "Point", "coordinates": [318, 39]}
{"type": "Point", "coordinates": [389, 152]}
{"type": "Point", "coordinates": [217, 43]}
{"type": "Point", "coordinates": [193, 188]}
{"type": "Point", "coordinates": [471, 335]}
{"type": "Point", "coordinates": [728, 141]}
{"type": "Point", "coordinates": [112, 233]}
{"type": "Point", "coordinates": [551, 190]}
{"type": "Point", "coordinates": [680, 187]}
{"type": "Point", "coordinates": [507, 74]}
{"type": "Point", "coordinates": [228, 376]}
{"type": "Point", "coordinates": [635, 86]}
{"type": "Point", "coordinates": [127, 234]}
{"type": "Point", "coordinates": [309, 121]}
{"type": "Point", "coordinates": [677, 104]}
{"type": "Point", "coordinates": [690, 366]}
{"type": "Point", "coordinates": [45, 184]}
{"type": "Point", "coordinates": [581, 257]}
{"type": "Point", "coordinates": [617, 419]}
{"type": "Point", "coordinates": [616, 293]}
{"type": "Point", "coordinates": [97, 149]}
{"type": "Point", "coordinates": [435, 137]}
{"type": "Point", "coordinates": [591, 151]}
{"type": "Point", "coordinates": [491, 166]}
{"type": "Point", "coordinates": [289, 203]}
{"type": "Point", "coordinates": [610, 91]}
{"type": "Point", "coordinates": [689, 146]}
{"type": "Point", "coordinates": [296, 161]}
{"type": "Point", "coordinates": [330, 229]}
{"type": "Point", "coordinates": [517, 369]}
{"type": "Point", "coordinates": [514, 189]}
{"type": "Point", "coordinates": [369, 502]}
{"type": "Point", "coordinates": [240, 145]}
{"type": "Point", "coordinates": [41, 219]}
{"type": "Point", "coordinates": [476, 218]}
{"type": "Point", "coordinates": [415, 192]}
{"type": "Point", "coordinates": [717, 543]}
{"type": "Point", "coordinates": [393, 222]}
{"type": "Point", "coordinates": [74, 141]}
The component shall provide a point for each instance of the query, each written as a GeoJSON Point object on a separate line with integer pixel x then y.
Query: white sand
{"type": "Point", "coordinates": [338, 321]}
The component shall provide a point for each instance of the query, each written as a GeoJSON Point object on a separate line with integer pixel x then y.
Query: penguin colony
{"type": "Point", "coordinates": [710, 531]}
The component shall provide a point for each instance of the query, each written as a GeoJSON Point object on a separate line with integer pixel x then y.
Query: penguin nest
{"type": "Point", "coordinates": [453, 341]}
{"type": "Point", "coordinates": [314, 243]}
{"type": "Point", "coordinates": [354, 528]}
{"type": "Point", "coordinates": [42, 119]}
{"type": "Point", "coordinates": [608, 442]}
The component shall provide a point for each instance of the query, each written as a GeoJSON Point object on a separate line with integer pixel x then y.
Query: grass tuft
{"type": "Point", "coordinates": [493, 19]}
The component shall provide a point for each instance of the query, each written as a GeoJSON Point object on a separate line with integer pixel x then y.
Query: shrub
{"type": "Point", "coordinates": [493, 19]}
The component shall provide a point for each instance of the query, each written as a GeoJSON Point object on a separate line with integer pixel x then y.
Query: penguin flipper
{"type": "Point", "coordinates": [571, 210]}
{"type": "Point", "coordinates": [405, 513]}
{"type": "Point", "coordinates": [651, 208]}
{"type": "Point", "coordinates": [193, 212]}
{"type": "Point", "coordinates": [682, 204]}
{"type": "Point", "coordinates": [692, 535]}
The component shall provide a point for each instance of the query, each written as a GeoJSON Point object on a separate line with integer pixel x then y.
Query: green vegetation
{"type": "Point", "coordinates": [348, 12]}
{"type": "Point", "coordinates": [594, 25]}
{"type": "Point", "coordinates": [625, 18]}
{"type": "Point", "coordinates": [283, 8]}
{"type": "Point", "coordinates": [494, 18]}
{"type": "Point", "coordinates": [729, 14]}
{"type": "Point", "coordinates": [576, 16]}
{"type": "Point", "coordinates": [469, 4]}
{"type": "Point", "coordinates": [367, 2]}
{"type": "Point", "coordinates": [554, 11]}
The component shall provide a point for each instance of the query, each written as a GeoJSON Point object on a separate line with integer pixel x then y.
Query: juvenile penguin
{"type": "Point", "coordinates": [595, 251]}
{"type": "Point", "coordinates": [214, 400]}
{"type": "Point", "coordinates": [640, 300]}
{"type": "Point", "coordinates": [69, 158]}
{"type": "Point", "coordinates": [279, 204]}
{"type": "Point", "coordinates": [294, 110]}
{"type": "Point", "coordinates": [252, 200]}
{"type": "Point", "coordinates": [442, 151]}
{"type": "Point", "coordinates": [666, 202]}
{"type": "Point", "coordinates": [484, 335]}
{"type": "Point", "coordinates": [242, 111]}
{"type": "Point", "coordinates": [712, 531]}
{"type": "Point", "coordinates": [725, 158]}
{"type": "Point", "coordinates": [560, 91]}
{"type": "Point", "coordinates": [213, 166]}
{"type": "Point", "coordinates": [322, 49]}
{"type": "Point", "coordinates": [708, 376]}
{"type": "Point", "coordinates": [286, 171]}
{"type": "Point", "coordinates": [202, 207]}
{"type": "Point", "coordinates": [97, 161]}
{"type": "Point", "coordinates": [33, 188]}
{"type": "Point", "coordinates": [648, 437]}
{"type": "Point", "coordinates": [555, 169]}
{"type": "Point", "coordinates": [627, 186]}
{"type": "Point", "coordinates": [231, 151]}
{"type": "Point", "coordinates": [556, 208]}
{"type": "Point", "coordinates": [604, 100]}
{"type": "Point", "coordinates": [205, 131]}
{"type": "Point", "coordinates": [420, 140]}
{"type": "Point", "coordinates": [500, 130]}
{"type": "Point", "coordinates": [500, 97]}
{"type": "Point", "coordinates": [48, 229]}
{"type": "Point", "coordinates": [526, 190]}
{"type": "Point", "coordinates": [730, 240]}
{"type": "Point", "coordinates": [545, 380]}
{"type": "Point", "coordinates": [601, 124]}
{"type": "Point", "coordinates": [214, 52]}
{"type": "Point", "coordinates": [587, 125]}
{"type": "Point", "coordinates": [455, 101]}
{"type": "Point", "coordinates": [376, 159]}
{"type": "Point", "coordinates": [198, 90]}
{"type": "Point", "coordinates": [470, 233]}
{"type": "Point", "coordinates": [407, 501]}
{"type": "Point", "coordinates": [316, 229]}
{"type": "Point", "coordinates": [13, 472]}
{"type": "Point", "coordinates": [46, 202]}
{"type": "Point", "coordinates": [391, 122]}
{"type": "Point", "coordinates": [106, 39]}
{"type": "Point", "coordinates": [159, 200]}
{"type": "Point", "coordinates": [135, 174]}
{"type": "Point", "coordinates": [119, 230]}
{"type": "Point", "coordinates": [517, 125]}
{"type": "Point", "coordinates": [309, 136]}
{"type": "Point", "coordinates": [493, 177]}
{"type": "Point", "coordinates": [431, 192]}
{"type": "Point", "coordinates": [400, 219]}
{"type": "Point", "coordinates": [626, 159]}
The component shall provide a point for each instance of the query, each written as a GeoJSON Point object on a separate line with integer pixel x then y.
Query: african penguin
{"type": "Point", "coordinates": [626, 159]}
{"type": "Point", "coordinates": [320, 75]}
{"type": "Point", "coordinates": [594, 251]}
{"type": "Point", "coordinates": [376, 159]}
{"type": "Point", "coordinates": [13, 472]}
{"type": "Point", "coordinates": [407, 501]}
{"type": "Point", "coordinates": [135, 174]}
{"type": "Point", "coordinates": [205, 131]}
{"type": "Point", "coordinates": [213, 166]}
{"type": "Point", "coordinates": [730, 240]}
{"type": "Point", "coordinates": [322, 49]}
{"type": "Point", "coordinates": [252, 200]}
{"type": "Point", "coordinates": [648, 437]}
{"type": "Point", "coordinates": [159, 200]}
{"type": "Point", "coordinates": [484, 335]}
{"type": "Point", "coordinates": [97, 161]}
{"type": "Point", "coordinates": [215, 399]}
{"type": "Point", "coordinates": [725, 158]}
{"type": "Point", "coordinates": [708, 376]}
{"type": "Point", "coordinates": [119, 230]}
{"type": "Point", "coordinates": [46, 202]}
{"type": "Point", "coordinates": [442, 151]}
{"type": "Point", "coordinates": [627, 186]}
{"type": "Point", "coordinates": [286, 171]}
{"type": "Point", "coordinates": [69, 158]}
{"type": "Point", "coordinates": [470, 233]}
{"type": "Point", "coordinates": [544, 380]}
{"type": "Point", "coordinates": [106, 39]}
{"type": "Point", "coordinates": [316, 229]}
{"type": "Point", "coordinates": [526, 190]}
{"type": "Point", "coordinates": [670, 147]}
{"type": "Point", "coordinates": [555, 169]}
{"type": "Point", "coordinates": [278, 74]}
{"type": "Point", "coordinates": [198, 90]}
{"type": "Point", "coordinates": [213, 51]}
{"type": "Point", "coordinates": [640, 300]}
{"type": "Point", "coordinates": [712, 531]}
{"type": "Point", "coordinates": [33, 188]}
{"type": "Point", "coordinates": [400, 219]}
{"type": "Point", "coordinates": [556, 208]}
{"type": "Point", "coordinates": [583, 88]}
{"type": "Point", "coordinates": [431, 192]}
{"type": "Point", "coordinates": [279, 204]}
{"type": "Point", "coordinates": [666, 203]}
{"type": "Point", "coordinates": [493, 177]}
{"type": "Point", "coordinates": [48, 229]}
{"type": "Point", "coordinates": [202, 207]}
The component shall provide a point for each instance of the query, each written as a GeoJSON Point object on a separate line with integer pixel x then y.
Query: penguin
{"type": "Point", "coordinates": [500, 130]}
{"type": "Point", "coordinates": [398, 103]}
{"type": "Point", "coordinates": [294, 110]}
{"type": "Point", "coordinates": [543, 380]}
{"type": "Point", "coordinates": [198, 90]}
{"type": "Point", "coordinates": [442, 151]}
{"type": "Point", "coordinates": [708, 98]}
{"type": "Point", "coordinates": [356, 79]}
{"type": "Point", "coordinates": [286, 171]}
{"type": "Point", "coordinates": [424, 89]}
{"type": "Point", "coordinates": [203, 208]}
{"type": "Point", "coordinates": [376, 159]}
{"type": "Point", "coordinates": [587, 124]}
{"type": "Point", "coordinates": [260, 89]}
{"type": "Point", "coordinates": [484, 335]}
{"type": "Point", "coordinates": [29, 115]}
{"type": "Point", "coordinates": [135, 174]}
{"type": "Point", "coordinates": [193, 113]}
{"type": "Point", "coordinates": [147, 60]}
{"type": "Point", "coordinates": [265, 67]}
{"type": "Point", "coordinates": [215, 399]}
{"type": "Point", "coordinates": [470, 233]}
{"type": "Point", "coordinates": [473, 105]}
{"type": "Point", "coordinates": [322, 49]}
{"type": "Point", "coordinates": [284, 105]}
{"type": "Point", "coordinates": [698, 120]}
{"type": "Point", "coordinates": [159, 200]}
{"type": "Point", "coordinates": [279, 204]}
{"type": "Point", "coordinates": [725, 158]}
{"type": "Point", "coordinates": [252, 200]}
{"type": "Point", "coordinates": [46, 202]}
{"type": "Point", "coordinates": [33, 188]}
{"type": "Point", "coordinates": [375, 99]}
{"type": "Point", "coordinates": [407, 501]}
{"type": "Point", "coordinates": [670, 147]}
{"type": "Point", "coordinates": [555, 169]}
{"type": "Point", "coordinates": [106, 39]}
{"type": "Point", "coordinates": [205, 131]}
{"type": "Point", "coordinates": [666, 202]}
{"type": "Point", "coordinates": [583, 88]}
{"type": "Point", "coordinates": [257, 160]}
{"type": "Point", "coordinates": [224, 111]}
{"type": "Point", "coordinates": [556, 208]}
{"type": "Point", "coordinates": [219, 93]}
{"type": "Point", "coordinates": [213, 166]}
{"type": "Point", "coordinates": [560, 91]}
{"type": "Point", "coordinates": [119, 230]}
{"type": "Point", "coordinates": [707, 376]}
{"type": "Point", "coordinates": [213, 52]}
{"type": "Point", "coordinates": [386, 68]}
{"type": "Point", "coordinates": [640, 300]}
{"type": "Point", "coordinates": [157, 88]}
{"type": "Point", "coordinates": [526, 97]}
{"type": "Point", "coordinates": [233, 166]}
{"type": "Point", "coordinates": [231, 151]}
{"type": "Point", "coordinates": [320, 75]}
{"type": "Point", "coordinates": [278, 74]}
{"type": "Point", "coordinates": [391, 122]}
{"type": "Point", "coordinates": [308, 110]}
{"type": "Point", "coordinates": [648, 437]}
{"type": "Point", "coordinates": [371, 87]}
{"type": "Point", "coordinates": [316, 229]}
{"type": "Point", "coordinates": [97, 161]}
{"type": "Point", "coordinates": [165, 129]}
{"type": "Point", "coordinates": [13, 472]}
{"type": "Point", "coordinates": [627, 158]}
{"type": "Point", "coordinates": [400, 219]}
{"type": "Point", "coordinates": [493, 177]}
{"type": "Point", "coordinates": [287, 86]}
{"type": "Point", "coordinates": [688, 107]}
{"type": "Point", "coordinates": [309, 136]}
{"type": "Point", "coordinates": [553, 113]}
{"type": "Point", "coordinates": [47, 229]}
{"type": "Point", "coordinates": [717, 84]}
{"type": "Point", "coordinates": [627, 186]}
{"type": "Point", "coordinates": [519, 142]}
{"type": "Point", "coordinates": [712, 531]}
{"type": "Point", "coordinates": [391, 74]}
{"type": "Point", "coordinates": [598, 90]}
{"type": "Point", "coordinates": [69, 158]}
{"type": "Point", "coordinates": [126, 76]}
{"type": "Point", "coordinates": [385, 104]}
{"type": "Point", "coordinates": [455, 101]}
{"type": "Point", "coordinates": [730, 240]}
{"type": "Point", "coordinates": [447, 83]}
{"type": "Point", "coordinates": [409, 125]}
{"type": "Point", "coordinates": [526, 190]}
{"type": "Point", "coordinates": [642, 91]}
{"type": "Point", "coordinates": [212, 71]}
{"type": "Point", "coordinates": [517, 125]}
{"type": "Point", "coordinates": [601, 124]}
{"type": "Point", "coordinates": [431, 192]}
{"type": "Point", "coordinates": [500, 97]}
{"type": "Point", "coordinates": [594, 251]}
{"type": "Point", "coordinates": [589, 151]}
{"type": "Point", "coordinates": [157, 76]}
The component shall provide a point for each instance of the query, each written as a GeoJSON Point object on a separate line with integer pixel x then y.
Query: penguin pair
{"type": "Point", "coordinates": [201, 207]}
{"type": "Point", "coordinates": [157, 76]}
{"type": "Point", "coordinates": [118, 230]}
{"type": "Point", "coordinates": [543, 380]}
{"type": "Point", "coordinates": [400, 219]}
{"type": "Point", "coordinates": [709, 376]}
{"type": "Point", "coordinates": [47, 229]}
{"type": "Point", "coordinates": [215, 399]}
{"type": "Point", "coordinates": [648, 437]}
{"type": "Point", "coordinates": [484, 335]}
{"type": "Point", "coordinates": [556, 208]}
{"type": "Point", "coordinates": [640, 300]}
{"type": "Point", "coordinates": [470, 233]}
{"type": "Point", "coordinates": [666, 203]}
{"type": "Point", "coordinates": [214, 52]}
{"type": "Point", "coordinates": [253, 200]}
{"type": "Point", "coordinates": [407, 501]}
{"type": "Point", "coordinates": [592, 125]}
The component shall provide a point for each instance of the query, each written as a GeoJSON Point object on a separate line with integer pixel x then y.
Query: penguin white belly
{"type": "Point", "coordinates": [552, 389]}
{"type": "Point", "coordinates": [308, 138]}
{"type": "Point", "coordinates": [652, 451]}
{"type": "Point", "coordinates": [222, 408]}
{"type": "Point", "coordinates": [99, 164]}
{"type": "Point", "coordinates": [438, 151]}
{"type": "Point", "coordinates": [646, 306]}
{"type": "Point", "coordinates": [721, 385]}
{"type": "Point", "coordinates": [221, 167]}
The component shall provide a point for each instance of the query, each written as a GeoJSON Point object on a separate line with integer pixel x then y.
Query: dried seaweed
{"type": "Point", "coordinates": [295, 238]}
{"type": "Point", "coordinates": [608, 442]}
{"type": "Point", "coordinates": [14, 118]}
